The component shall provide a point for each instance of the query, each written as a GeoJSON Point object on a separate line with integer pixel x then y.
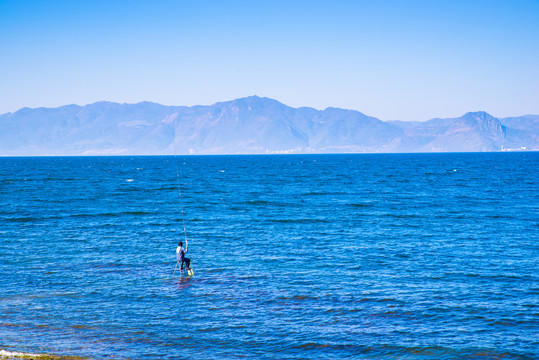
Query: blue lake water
{"type": "Point", "coordinates": [404, 256]}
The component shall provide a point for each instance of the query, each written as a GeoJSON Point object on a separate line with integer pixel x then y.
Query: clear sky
{"type": "Point", "coordinates": [407, 60]}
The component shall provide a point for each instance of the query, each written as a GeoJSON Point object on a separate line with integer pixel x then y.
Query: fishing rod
{"type": "Point", "coordinates": [179, 194]}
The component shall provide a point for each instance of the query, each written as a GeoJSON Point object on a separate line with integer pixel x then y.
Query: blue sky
{"type": "Point", "coordinates": [407, 60]}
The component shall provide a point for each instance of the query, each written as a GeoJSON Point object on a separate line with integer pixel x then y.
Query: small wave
{"type": "Point", "coordinates": [315, 193]}
{"type": "Point", "coordinates": [111, 268]}
{"type": "Point", "coordinates": [166, 188]}
{"type": "Point", "coordinates": [298, 298]}
{"type": "Point", "coordinates": [401, 216]}
{"type": "Point", "coordinates": [24, 219]}
{"type": "Point", "coordinates": [361, 205]}
{"type": "Point", "coordinates": [323, 193]}
{"type": "Point", "coordinates": [299, 221]}
{"type": "Point", "coordinates": [428, 352]}
{"type": "Point", "coordinates": [9, 325]}
{"type": "Point", "coordinates": [206, 330]}
{"type": "Point", "coordinates": [82, 327]}
{"type": "Point", "coordinates": [112, 214]}
{"type": "Point", "coordinates": [256, 202]}
{"type": "Point", "coordinates": [136, 213]}
{"type": "Point", "coordinates": [84, 216]}
{"type": "Point", "coordinates": [313, 345]}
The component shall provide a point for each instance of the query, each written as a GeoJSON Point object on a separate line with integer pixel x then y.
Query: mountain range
{"type": "Point", "coordinates": [251, 125]}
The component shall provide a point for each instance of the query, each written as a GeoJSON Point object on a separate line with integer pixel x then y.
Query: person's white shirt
{"type": "Point", "coordinates": [180, 252]}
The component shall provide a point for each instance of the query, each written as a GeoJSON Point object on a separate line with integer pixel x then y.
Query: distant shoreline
{"type": "Point", "coordinates": [273, 154]}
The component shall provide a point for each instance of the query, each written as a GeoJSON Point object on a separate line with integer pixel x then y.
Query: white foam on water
{"type": "Point", "coordinates": [17, 354]}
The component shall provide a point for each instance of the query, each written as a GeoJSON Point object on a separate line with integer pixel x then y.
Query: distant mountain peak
{"type": "Point", "coordinates": [257, 100]}
{"type": "Point", "coordinates": [246, 99]}
{"type": "Point", "coordinates": [479, 115]}
{"type": "Point", "coordinates": [252, 104]}
{"type": "Point", "coordinates": [479, 119]}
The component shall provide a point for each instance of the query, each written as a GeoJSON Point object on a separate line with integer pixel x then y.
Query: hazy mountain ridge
{"type": "Point", "coordinates": [249, 125]}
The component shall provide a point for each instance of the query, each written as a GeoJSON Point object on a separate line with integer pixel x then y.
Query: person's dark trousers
{"type": "Point", "coordinates": [187, 263]}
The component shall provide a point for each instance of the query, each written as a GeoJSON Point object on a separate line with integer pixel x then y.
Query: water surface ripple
{"type": "Point", "coordinates": [410, 256]}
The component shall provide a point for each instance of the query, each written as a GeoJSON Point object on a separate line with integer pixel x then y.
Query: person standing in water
{"type": "Point", "coordinates": [180, 256]}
